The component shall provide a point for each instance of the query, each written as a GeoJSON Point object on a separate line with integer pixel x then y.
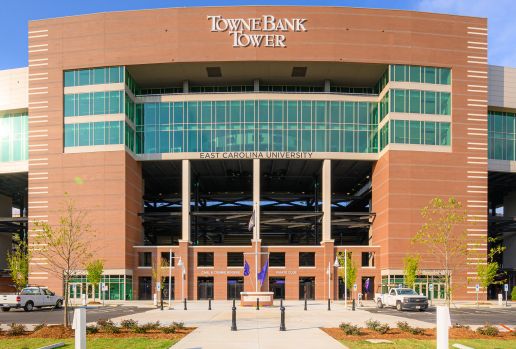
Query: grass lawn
{"type": "Point", "coordinates": [430, 344]}
{"type": "Point", "coordinates": [93, 343]}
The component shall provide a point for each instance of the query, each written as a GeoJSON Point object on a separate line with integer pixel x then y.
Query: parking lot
{"type": "Point", "coordinates": [49, 316]}
{"type": "Point", "coordinates": [469, 316]}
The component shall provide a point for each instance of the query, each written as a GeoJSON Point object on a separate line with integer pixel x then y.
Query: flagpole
{"type": "Point", "coordinates": [346, 278]}
{"type": "Point", "coordinates": [255, 249]}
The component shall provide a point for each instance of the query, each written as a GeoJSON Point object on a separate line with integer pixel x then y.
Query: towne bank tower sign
{"type": "Point", "coordinates": [257, 32]}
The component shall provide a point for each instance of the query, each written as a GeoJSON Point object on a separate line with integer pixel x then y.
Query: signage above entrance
{"type": "Point", "coordinates": [263, 31]}
{"type": "Point", "coordinates": [257, 155]}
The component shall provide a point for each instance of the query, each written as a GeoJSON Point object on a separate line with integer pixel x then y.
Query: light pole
{"type": "Point", "coordinates": [179, 264]}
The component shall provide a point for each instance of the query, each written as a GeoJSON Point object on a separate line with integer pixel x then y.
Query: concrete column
{"type": "Point", "coordinates": [327, 85]}
{"type": "Point", "coordinates": [256, 197]}
{"type": "Point", "coordinates": [185, 209]}
{"type": "Point", "coordinates": [326, 200]}
{"type": "Point", "coordinates": [6, 206]}
{"type": "Point", "coordinates": [256, 84]}
{"type": "Point", "coordinates": [186, 86]}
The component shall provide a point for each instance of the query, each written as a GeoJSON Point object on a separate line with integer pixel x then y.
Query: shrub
{"type": "Point", "coordinates": [383, 329]}
{"type": "Point", "coordinates": [513, 293]}
{"type": "Point", "coordinates": [377, 326]}
{"type": "Point", "coordinates": [128, 324]}
{"type": "Point", "coordinates": [92, 329]}
{"type": "Point", "coordinates": [152, 325]}
{"type": "Point", "coordinates": [405, 327]}
{"type": "Point", "coordinates": [16, 329]}
{"type": "Point", "coordinates": [488, 330]}
{"type": "Point", "coordinates": [350, 330]}
{"type": "Point", "coordinates": [108, 326]}
{"type": "Point", "coordinates": [168, 329]}
{"type": "Point", "coordinates": [103, 322]}
{"type": "Point", "coordinates": [178, 325]}
{"type": "Point", "coordinates": [140, 329]}
{"type": "Point", "coordinates": [39, 327]}
{"type": "Point", "coordinates": [372, 324]}
{"type": "Point", "coordinates": [457, 325]}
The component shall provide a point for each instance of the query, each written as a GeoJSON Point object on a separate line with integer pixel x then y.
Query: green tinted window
{"type": "Point", "coordinates": [416, 132]}
{"type": "Point", "coordinates": [502, 135]}
{"type": "Point", "coordinates": [93, 76]}
{"type": "Point", "coordinates": [13, 137]}
{"type": "Point", "coordinates": [417, 74]}
{"type": "Point", "coordinates": [280, 126]}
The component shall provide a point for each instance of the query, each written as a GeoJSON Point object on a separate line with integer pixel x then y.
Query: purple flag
{"type": "Point", "coordinates": [366, 285]}
{"type": "Point", "coordinates": [247, 269]}
{"type": "Point", "coordinates": [263, 273]}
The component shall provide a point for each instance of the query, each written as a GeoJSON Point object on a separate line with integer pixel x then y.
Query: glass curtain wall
{"type": "Point", "coordinates": [257, 125]}
{"type": "Point", "coordinates": [14, 137]}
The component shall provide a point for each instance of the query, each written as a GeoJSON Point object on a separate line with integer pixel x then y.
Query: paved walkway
{"type": "Point", "coordinates": [260, 328]}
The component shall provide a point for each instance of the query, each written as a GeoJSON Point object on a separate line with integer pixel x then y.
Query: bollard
{"type": "Point", "coordinates": [306, 304]}
{"type": "Point", "coordinates": [353, 305]}
{"type": "Point", "coordinates": [233, 317]}
{"type": "Point", "coordinates": [209, 304]}
{"type": "Point", "coordinates": [329, 305]}
{"type": "Point", "coordinates": [282, 323]}
{"type": "Point", "coordinates": [79, 325]}
{"type": "Point", "coordinates": [185, 305]}
{"type": "Point", "coordinates": [257, 303]}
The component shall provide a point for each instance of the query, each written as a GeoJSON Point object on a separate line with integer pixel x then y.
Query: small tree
{"type": "Point", "coordinates": [350, 269]}
{"type": "Point", "coordinates": [444, 236]}
{"type": "Point", "coordinates": [411, 270]}
{"type": "Point", "coordinates": [65, 246]}
{"type": "Point", "coordinates": [18, 263]}
{"type": "Point", "coordinates": [157, 273]}
{"type": "Point", "coordinates": [94, 270]}
{"type": "Point", "coordinates": [488, 274]}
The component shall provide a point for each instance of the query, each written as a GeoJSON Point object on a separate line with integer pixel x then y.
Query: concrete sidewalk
{"type": "Point", "coordinates": [260, 328]}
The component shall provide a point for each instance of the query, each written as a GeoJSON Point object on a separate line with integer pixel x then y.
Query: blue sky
{"type": "Point", "coordinates": [16, 14]}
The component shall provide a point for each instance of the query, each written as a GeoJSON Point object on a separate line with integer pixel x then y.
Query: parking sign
{"type": "Point", "coordinates": [506, 288]}
{"type": "Point", "coordinates": [355, 287]}
{"type": "Point", "coordinates": [431, 287]}
{"type": "Point", "coordinates": [158, 286]}
{"type": "Point", "coordinates": [477, 287]}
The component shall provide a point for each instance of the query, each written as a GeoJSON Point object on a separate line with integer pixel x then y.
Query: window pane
{"type": "Point", "coordinates": [69, 78]}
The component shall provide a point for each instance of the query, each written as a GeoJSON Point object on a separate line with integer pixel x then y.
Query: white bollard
{"type": "Point", "coordinates": [155, 299]}
{"type": "Point", "coordinates": [79, 325]}
{"type": "Point", "coordinates": [500, 299]}
{"type": "Point", "coordinates": [443, 324]}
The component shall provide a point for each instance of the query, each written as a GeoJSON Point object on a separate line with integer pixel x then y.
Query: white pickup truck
{"type": "Point", "coordinates": [401, 298]}
{"type": "Point", "coordinates": [30, 298]}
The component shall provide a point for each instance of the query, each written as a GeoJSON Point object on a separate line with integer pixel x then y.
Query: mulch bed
{"type": "Point", "coordinates": [395, 333]}
{"type": "Point", "coordinates": [61, 332]}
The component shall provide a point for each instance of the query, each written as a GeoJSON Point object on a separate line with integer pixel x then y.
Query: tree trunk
{"type": "Point", "coordinates": [66, 303]}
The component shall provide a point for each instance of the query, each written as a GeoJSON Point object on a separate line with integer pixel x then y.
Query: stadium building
{"type": "Point", "coordinates": [323, 129]}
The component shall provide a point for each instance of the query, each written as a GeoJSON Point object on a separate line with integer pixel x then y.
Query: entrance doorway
{"type": "Point", "coordinates": [145, 288]}
{"type": "Point", "coordinates": [438, 292]}
{"type": "Point", "coordinates": [342, 288]}
{"type": "Point", "coordinates": [204, 288]}
{"type": "Point", "coordinates": [164, 289]}
{"type": "Point", "coordinates": [235, 286]}
{"type": "Point", "coordinates": [277, 286]}
{"type": "Point", "coordinates": [367, 287]}
{"type": "Point", "coordinates": [307, 287]}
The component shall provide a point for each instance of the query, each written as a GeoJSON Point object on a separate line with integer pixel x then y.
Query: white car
{"type": "Point", "coordinates": [30, 298]}
{"type": "Point", "coordinates": [402, 298]}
